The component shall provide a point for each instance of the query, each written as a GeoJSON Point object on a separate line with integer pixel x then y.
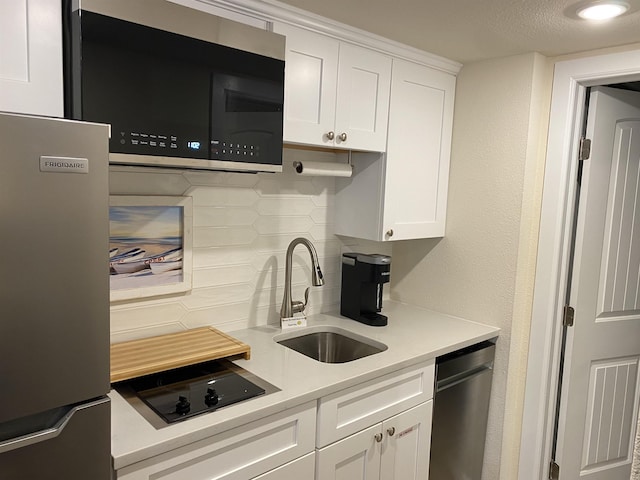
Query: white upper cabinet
{"type": "Point", "coordinates": [418, 151]}
{"type": "Point", "coordinates": [336, 93]}
{"type": "Point", "coordinates": [31, 57]}
{"type": "Point", "coordinates": [403, 194]}
{"type": "Point", "coordinates": [362, 111]}
{"type": "Point", "coordinates": [311, 76]}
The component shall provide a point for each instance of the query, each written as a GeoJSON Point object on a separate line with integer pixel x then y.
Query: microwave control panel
{"type": "Point", "coordinates": [145, 143]}
{"type": "Point", "coordinates": [226, 150]}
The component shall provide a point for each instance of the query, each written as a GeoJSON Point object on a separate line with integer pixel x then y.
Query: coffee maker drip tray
{"type": "Point", "coordinates": [179, 394]}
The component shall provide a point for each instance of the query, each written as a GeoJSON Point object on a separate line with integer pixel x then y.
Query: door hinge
{"type": "Point", "coordinates": [585, 149]}
{"type": "Point", "coordinates": [554, 471]}
{"type": "Point", "coordinates": [568, 315]}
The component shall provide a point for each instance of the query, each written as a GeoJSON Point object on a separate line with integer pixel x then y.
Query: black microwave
{"type": "Point", "coordinates": [172, 85]}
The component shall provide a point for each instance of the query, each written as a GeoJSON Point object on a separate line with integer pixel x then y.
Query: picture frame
{"type": "Point", "coordinates": [150, 246]}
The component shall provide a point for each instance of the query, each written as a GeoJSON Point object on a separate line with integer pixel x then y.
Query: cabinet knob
{"type": "Point", "coordinates": [330, 135]}
{"type": "Point", "coordinates": [343, 137]}
{"type": "Point", "coordinates": [390, 232]}
{"type": "Point", "coordinates": [378, 437]}
{"type": "Point", "coordinates": [391, 431]}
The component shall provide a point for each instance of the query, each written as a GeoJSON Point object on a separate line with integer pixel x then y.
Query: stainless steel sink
{"type": "Point", "coordinates": [330, 344]}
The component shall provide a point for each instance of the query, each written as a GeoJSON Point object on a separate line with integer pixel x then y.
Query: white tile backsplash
{"type": "Point", "coordinates": [243, 224]}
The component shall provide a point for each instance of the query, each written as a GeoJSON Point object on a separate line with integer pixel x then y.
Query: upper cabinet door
{"type": "Point", "coordinates": [311, 71]}
{"type": "Point", "coordinates": [31, 57]}
{"type": "Point", "coordinates": [402, 194]}
{"type": "Point", "coordinates": [364, 79]}
{"type": "Point", "coordinates": [336, 94]}
{"type": "Point", "coordinates": [418, 151]}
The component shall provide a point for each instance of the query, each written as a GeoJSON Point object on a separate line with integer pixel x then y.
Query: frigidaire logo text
{"type": "Point", "coordinates": [63, 164]}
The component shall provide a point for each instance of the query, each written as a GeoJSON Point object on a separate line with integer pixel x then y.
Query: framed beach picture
{"type": "Point", "coordinates": [150, 240]}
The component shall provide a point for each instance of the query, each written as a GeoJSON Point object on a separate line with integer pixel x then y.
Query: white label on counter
{"type": "Point", "coordinates": [293, 322]}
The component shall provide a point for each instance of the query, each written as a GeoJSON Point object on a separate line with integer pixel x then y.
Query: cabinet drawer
{"type": "Point", "coordinates": [239, 454]}
{"type": "Point", "coordinates": [359, 407]}
{"type": "Point", "coordinates": [302, 468]}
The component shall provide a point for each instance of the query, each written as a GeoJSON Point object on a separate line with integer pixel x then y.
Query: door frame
{"type": "Point", "coordinates": [570, 83]}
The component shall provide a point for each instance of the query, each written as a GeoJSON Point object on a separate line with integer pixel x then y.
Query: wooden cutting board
{"type": "Point", "coordinates": [151, 355]}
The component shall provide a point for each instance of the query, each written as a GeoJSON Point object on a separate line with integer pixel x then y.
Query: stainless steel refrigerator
{"type": "Point", "coordinates": [54, 300]}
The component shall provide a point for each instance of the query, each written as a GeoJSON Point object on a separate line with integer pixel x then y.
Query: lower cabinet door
{"type": "Point", "coordinates": [356, 457]}
{"type": "Point", "coordinates": [303, 469]}
{"type": "Point", "coordinates": [406, 445]}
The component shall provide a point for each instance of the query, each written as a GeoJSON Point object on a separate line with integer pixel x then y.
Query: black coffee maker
{"type": "Point", "coordinates": [362, 278]}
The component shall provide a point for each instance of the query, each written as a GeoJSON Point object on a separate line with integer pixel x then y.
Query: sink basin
{"type": "Point", "coordinates": [330, 344]}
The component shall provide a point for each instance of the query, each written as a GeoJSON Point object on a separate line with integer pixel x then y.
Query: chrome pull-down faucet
{"type": "Point", "coordinates": [289, 306]}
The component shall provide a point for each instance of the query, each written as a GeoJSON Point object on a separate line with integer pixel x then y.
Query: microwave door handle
{"type": "Point", "coordinates": [45, 434]}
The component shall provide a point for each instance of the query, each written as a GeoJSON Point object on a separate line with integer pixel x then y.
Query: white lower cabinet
{"type": "Point", "coordinates": [378, 430]}
{"type": "Point", "coordinates": [336, 93]}
{"type": "Point", "coordinates": [242, 453]}
{"type": "Point", "coordinates": [396, 449]}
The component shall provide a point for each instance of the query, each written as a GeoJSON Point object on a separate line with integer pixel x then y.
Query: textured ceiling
{"type": "Point", "coordinates": [471, 30]}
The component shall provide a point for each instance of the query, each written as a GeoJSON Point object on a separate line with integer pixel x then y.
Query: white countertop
{"type": "Point", "coordinates": [413, 335]}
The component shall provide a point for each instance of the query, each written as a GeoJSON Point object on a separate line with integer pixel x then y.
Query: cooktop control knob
{"type": "Point", "coordinates": [183, 406]}
{"type": "Point", "coordinates": [211, 398]}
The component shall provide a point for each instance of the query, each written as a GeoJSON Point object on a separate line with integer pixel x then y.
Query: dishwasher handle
{"type": "Point", "coordinates": [463, 377]}
{"type": "Point", "coordinates": [465, 363]}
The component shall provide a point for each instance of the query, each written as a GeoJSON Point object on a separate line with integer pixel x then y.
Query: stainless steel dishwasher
{"type": "Point", "coordinates": [460, 410]}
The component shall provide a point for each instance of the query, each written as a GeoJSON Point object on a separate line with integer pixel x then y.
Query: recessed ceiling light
{"type": "Point", "coordinates": [602, 10]}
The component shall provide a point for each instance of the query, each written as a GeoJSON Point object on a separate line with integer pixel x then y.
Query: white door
{"type": "Point", "coordinates": [599, 397]}
{"type": "Point", "coordinates": [362, 99]}
{"type": "Point", "coordinates": [405, 450]}
{"type": "Point", "coordinates": [418, 150]}
{"type": "Point", "coordinates": [356, 457]}
{"type": "Point", "coordinates": [311, 72]}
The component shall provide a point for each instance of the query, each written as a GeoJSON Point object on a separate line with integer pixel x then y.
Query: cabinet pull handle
{"type": "Point", "coordinates": [343, 137]}
{"type": "Point", "coordinates": [391, 431]}
{"type": "Point", "coordinates": [378, 437]}
{"type": "Point", "coordinates": [390, 232]}
{"type": "Point", "coordinates": [330, 135]}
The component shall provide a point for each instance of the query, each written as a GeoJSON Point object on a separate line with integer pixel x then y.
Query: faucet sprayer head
{"type": "Point", "coordinates": [317, 280]}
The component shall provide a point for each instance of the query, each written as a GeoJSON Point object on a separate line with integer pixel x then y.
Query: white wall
{"type": "Point", "coordinates": [243, 224]}
{"type": "Point", "coordinates": [483, 269]}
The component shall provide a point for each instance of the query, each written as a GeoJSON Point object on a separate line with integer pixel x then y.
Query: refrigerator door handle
{"type": "Point", "coordinates": [49, 432]}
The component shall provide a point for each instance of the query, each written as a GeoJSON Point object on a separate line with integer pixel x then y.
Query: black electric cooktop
{"type": "Point", "coordinates": [182, 393]}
